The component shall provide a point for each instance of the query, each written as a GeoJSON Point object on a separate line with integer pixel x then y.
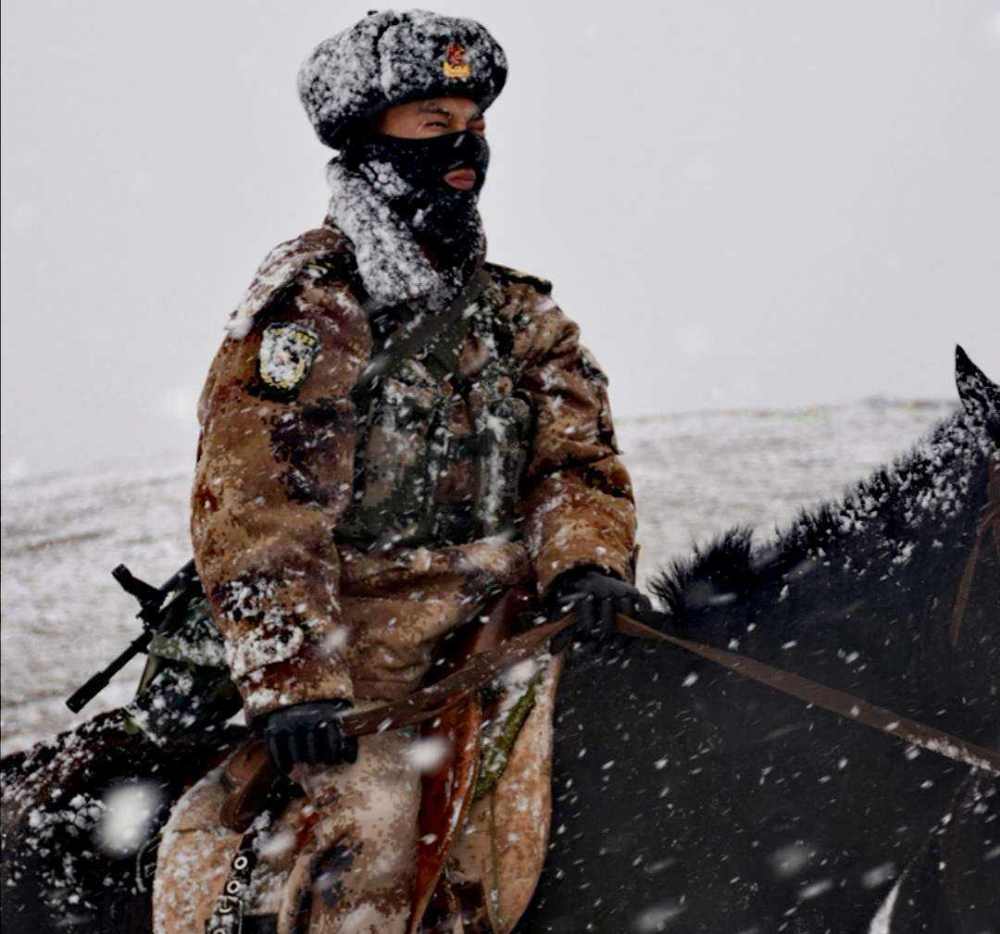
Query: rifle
{"type": "Point", "coordinates": [161, 610]}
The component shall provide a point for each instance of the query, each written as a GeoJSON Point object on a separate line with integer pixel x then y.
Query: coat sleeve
{"type": "Point", "coordinates": [274, 474]}
{"type": "Point", "coordinates": [578, 505]}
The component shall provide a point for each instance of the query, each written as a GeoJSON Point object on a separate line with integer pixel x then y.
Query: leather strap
{"type": "Point", "coordinates": [989, 522]}
{"type": "Point", "coordinates": [248, 778]}
{"type": "Point", "coordinates": [838, 702]}
{"type": "Point", "coordinates": [483, 667]}
{"type": "Point", "coordinates": [250, 775]}
{"type": "Point", "coordinates": [431, 701]}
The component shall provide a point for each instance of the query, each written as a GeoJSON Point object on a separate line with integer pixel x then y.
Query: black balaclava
{"type": "Point", "coordinates": [444, 218]}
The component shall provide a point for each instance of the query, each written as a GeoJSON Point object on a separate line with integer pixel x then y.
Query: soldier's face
{"type": "Point", "coordinates": [436, 116]}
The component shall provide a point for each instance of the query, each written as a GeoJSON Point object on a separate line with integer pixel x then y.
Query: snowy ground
{"type": "Point", "coordinates": [695, 475]}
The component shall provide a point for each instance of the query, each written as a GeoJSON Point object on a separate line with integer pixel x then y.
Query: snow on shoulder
{"type": "Point", "coordinates": [296, 262]}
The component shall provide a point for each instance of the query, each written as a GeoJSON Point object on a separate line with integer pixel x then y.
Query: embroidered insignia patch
{"type": "Point", "coordinates": [455, 65]}
{"type": "Point", "coordinates": [287, 352]}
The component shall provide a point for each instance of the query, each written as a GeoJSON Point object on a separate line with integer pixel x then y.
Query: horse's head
{"type": "Point", "coordinates": [979, 394]}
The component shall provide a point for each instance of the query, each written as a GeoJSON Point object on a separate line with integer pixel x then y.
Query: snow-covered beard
{"type": "Point", "coordinates": [369, 205]}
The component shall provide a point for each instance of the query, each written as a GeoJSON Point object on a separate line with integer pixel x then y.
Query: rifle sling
{"type": "Point", "coordinates": [422, 337]}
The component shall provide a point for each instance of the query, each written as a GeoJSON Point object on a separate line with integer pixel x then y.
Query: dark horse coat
{"type": "Point", "coordinates": [688, 799]}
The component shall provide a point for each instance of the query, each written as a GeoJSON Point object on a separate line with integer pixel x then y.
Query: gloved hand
{"type": "Point", "coordinates": [309, 733]}
{"type": "Point", "coordinates": [597, 598]}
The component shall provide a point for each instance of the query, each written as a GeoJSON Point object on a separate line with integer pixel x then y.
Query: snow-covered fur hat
{"type": "Point", "coordinates": [392, 57]}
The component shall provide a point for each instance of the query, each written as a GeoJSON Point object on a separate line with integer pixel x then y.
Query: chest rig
{"type": "Point", "coordinates": [442, 434]}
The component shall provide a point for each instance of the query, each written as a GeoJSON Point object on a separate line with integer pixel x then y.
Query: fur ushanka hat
{"type": "Point", "coordinates": [389, 58]}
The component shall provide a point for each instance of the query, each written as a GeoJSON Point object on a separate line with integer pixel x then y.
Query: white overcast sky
{"type": "Point", "coordinates": [744, 205]}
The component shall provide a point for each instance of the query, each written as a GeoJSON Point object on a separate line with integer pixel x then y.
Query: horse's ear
{"type": "Point", "coordinates": [979, 394]}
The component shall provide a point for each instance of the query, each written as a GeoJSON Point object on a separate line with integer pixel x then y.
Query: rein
{"type": "Point", "coordinates": [483, 667]}
{"type": "Point", "coordinates": [254, 785]}
{"type": "Point", "coordinates": [989, 522]}
{"type": "Point", "coordinates": [820, 695]}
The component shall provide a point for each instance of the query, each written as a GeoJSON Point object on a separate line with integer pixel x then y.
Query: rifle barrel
{"type": "Point", "coordinates": [84, 694]}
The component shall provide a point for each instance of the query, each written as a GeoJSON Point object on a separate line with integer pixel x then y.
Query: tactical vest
{"type": "Point", "coordinates": [440, 455]}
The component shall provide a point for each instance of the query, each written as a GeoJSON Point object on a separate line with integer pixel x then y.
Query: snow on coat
{"type": "Point", "coordinates": [306, 616]}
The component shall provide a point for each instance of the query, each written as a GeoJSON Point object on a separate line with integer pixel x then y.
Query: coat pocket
{"type": "Point", "coordinates": [504, 427]}
{"type": "Point", "coordinates": [399, 463]}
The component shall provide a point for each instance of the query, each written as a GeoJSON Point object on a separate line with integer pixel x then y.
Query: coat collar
{"type": "Point", "coordinates": [394, 269]}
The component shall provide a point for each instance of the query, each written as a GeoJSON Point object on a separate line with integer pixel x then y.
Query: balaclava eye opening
{"type": "Point", "coordinates": [446, 219]}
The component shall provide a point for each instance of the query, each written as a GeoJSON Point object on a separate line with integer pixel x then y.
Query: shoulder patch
{"type": "Point", "coordinates": [287, 353]}
{"type": "Point", "coordinates": [507, 275]}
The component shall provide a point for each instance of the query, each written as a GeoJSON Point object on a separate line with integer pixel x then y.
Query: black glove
{"type": "Point", "coordinates": [309, 733]}
{"type": "Point", "coordinates": [597, 597]}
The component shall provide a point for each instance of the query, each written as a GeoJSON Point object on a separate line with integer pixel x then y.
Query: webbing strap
{"type": "Point", "coordinates": [423, 337]}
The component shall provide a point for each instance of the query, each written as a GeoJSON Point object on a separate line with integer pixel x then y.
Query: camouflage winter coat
{"type": "Point", "coordinates": [339, 535]}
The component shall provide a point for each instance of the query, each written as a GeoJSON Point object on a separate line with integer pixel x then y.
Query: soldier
{"type": "Point", "coordinates": [401, 444]}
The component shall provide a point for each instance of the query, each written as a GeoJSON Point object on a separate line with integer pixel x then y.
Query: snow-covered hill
{"type": "Point", "coordinates": [63, 616]}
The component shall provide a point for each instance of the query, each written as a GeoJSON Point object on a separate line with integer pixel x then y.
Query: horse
{"type": "Point", "coordinates": [689, 799]}
{"type": "Point", "coordinates": [686, 798]}
{"type": "Point", "coordinates": [56, 871]}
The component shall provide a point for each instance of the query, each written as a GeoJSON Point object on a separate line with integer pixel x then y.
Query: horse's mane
{"type": "Point", "coordinates": [876, 529]}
